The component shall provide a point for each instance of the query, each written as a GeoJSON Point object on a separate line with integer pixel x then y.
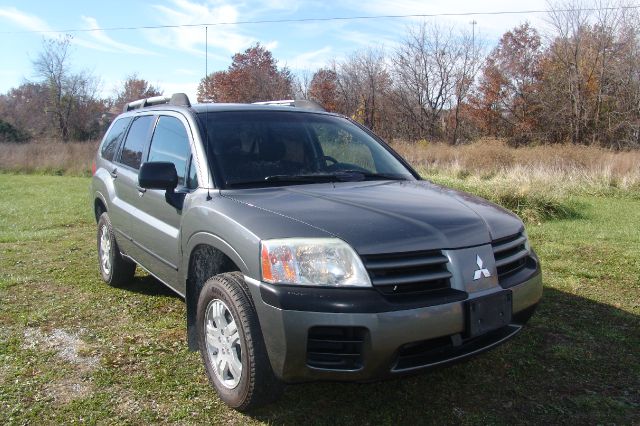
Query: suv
{"type": "Point", "coordinates": [305, 247]}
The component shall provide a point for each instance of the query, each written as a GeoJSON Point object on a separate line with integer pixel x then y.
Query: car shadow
{"type": "Point", "coordinates": [148, 285]}
{"type": "Point", "coordinates": [576, 359]}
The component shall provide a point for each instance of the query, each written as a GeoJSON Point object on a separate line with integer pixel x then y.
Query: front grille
{"type": "Point", "coordinates": [510, 254]}
{"type": "Point", "coordinates": [408, 273]}
{"type": "Point", "coordinates": [335, 348]}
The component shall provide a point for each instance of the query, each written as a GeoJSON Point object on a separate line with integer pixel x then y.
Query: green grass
{"type": "Point", "coordinates": [578, 361]}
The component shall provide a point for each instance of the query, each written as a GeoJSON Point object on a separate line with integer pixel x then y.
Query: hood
{"type": "Point", "coordinates": [386, 217]}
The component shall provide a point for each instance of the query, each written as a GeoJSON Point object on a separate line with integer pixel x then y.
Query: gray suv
{"type": "Point", "coordinates": [305, 247]}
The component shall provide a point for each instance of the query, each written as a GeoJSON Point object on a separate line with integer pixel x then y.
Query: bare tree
{"type": "Point", "coordinates": [362, 83]}
{"type": "Point", "coordinates": [68, 92]}
{"type": "Point", "coordinates": [583, 80]}
{"type": "Point", "coordinates": [301, 83]}
{"type": "Point", "coordinates": [426, 69]}
{"type": "Point", "coordinates": [469, 63]}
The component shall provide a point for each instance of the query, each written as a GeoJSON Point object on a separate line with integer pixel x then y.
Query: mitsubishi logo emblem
{"type": "Point", "coordinates": [480, 272]}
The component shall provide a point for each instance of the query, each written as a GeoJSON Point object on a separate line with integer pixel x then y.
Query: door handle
{"type": "Point", "coordinates": [141, 190]}
{"type": "Point", "coordinates": [114, 173]}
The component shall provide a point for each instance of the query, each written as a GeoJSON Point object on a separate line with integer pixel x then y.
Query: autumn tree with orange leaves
{"type": "Point", "coordinates": [135, 88]}
{"type": "Point", "coordinates": [507, 95]}
{"type": "Point", "coordinates": [252, 76]}
{"type": "Point", "coordinates": [324, 89]}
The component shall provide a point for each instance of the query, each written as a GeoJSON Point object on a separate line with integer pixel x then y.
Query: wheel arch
{"type": "Point", "coordinates": [99, 206]}
{"type": "Point", "coordinates": [208, 255]}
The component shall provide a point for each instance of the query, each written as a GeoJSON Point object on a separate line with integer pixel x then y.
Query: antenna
{"type": "Point", "coordinates": [206, 117]}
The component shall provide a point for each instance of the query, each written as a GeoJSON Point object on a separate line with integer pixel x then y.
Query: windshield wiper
{"type": "Point", "coordinates": [369, 176]}
{"type": "Point", "coordinates": [285, 179]}
{"type": "Point", "coordinates": [339, 176]}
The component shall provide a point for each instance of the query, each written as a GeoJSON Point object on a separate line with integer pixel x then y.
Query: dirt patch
{"type": "Point", "coordinates": [66, 390]}
{"type": "Point", "coordinates": [72, 349]}
{"type": "Point", "coordinates": [67, 346]}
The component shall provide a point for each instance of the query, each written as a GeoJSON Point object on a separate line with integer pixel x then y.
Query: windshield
{"type": "Point", "coordinates": [268, 148]}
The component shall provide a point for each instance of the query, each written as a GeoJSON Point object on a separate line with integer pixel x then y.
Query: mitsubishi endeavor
{"type": "Point", "coordinates": [305, 247]}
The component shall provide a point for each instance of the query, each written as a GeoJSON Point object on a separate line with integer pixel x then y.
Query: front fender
{"type": "Point", "coordinates": [206, 238]}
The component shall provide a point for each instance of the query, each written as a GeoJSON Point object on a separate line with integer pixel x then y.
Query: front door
{"type": "Point", "coordinates": [155, 227]}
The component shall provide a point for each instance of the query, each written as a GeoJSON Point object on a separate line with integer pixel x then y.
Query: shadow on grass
{"type": "Point", "coordinates": [149, 286]}
{"type": "Point", "coordinates": [576, 359]}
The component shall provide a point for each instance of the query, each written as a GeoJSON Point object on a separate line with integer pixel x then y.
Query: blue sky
{"type": "Point", "coordinates": [174, 58]}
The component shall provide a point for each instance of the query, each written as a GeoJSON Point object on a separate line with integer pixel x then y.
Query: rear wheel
{"type": "Point", "coordinates": [231, 344]}
{"type": "Point", "coordinates": [115, 269]}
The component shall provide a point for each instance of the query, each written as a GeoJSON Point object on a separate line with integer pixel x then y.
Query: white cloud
{"type": "Point", "coordinates": [492, 25]}
{"type": "Point", "coordinates": [185, 71]}
{"type": "Point", "coordinates": [190, 88]}
{"type": "Point", "coordinates": [109, 44]}
{"type": "Point", "coordinates": [23, 20]}
{"type": "Point", "coordinates": [271, 45]}
{"type": "Point", "coordinates": [226, 38]}
{"type": "Point", "coordinates": [311, 60]}
{"type": "Point", "coordinates": [34, 23]}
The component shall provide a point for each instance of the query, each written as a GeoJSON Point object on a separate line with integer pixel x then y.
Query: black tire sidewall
{"type": "Point", "coordinates": [215, 289]}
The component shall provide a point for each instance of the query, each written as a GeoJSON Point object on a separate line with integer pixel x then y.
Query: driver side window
{"type": "Point", "coordinates": [170, 143]}
{"type": "Point", "coordinates": [343, 147]}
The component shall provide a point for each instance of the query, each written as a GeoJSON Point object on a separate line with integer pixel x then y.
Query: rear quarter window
{"type": "Point", "coordinates": [134, 145]}
{"type": "Point", "coordinates": [112, 139]}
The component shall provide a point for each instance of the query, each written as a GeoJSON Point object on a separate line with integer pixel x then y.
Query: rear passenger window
{"type": "Point", "coordinates": [136, 140]}
{"type": "Point", "coordinates": [171, 143]}
{"type": "Point", "coordinates": [113, 138]}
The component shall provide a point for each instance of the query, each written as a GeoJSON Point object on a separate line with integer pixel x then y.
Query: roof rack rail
{"type": "Point", "coordinates": [298, 103]}
{"type": "Point", "coordinates": [177, 99]}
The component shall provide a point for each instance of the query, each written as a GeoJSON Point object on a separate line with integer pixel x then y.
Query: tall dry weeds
{"type": "Point", "coordinates": [556, 168]}
{"type": "Point", "coordinates": [47, 157]}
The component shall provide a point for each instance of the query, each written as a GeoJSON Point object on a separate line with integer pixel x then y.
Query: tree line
{"type": "Point", "coordinates": [62, 104]}
{"type": "Point", "coordinates": [578, 81]}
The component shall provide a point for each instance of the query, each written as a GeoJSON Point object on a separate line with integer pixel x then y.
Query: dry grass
{"type": "Point", "coordinates": [47, 157]}
{"type": "Point", "coordinates": [556, 168]}
{"type": "Point", "coordinates": [537, 183]}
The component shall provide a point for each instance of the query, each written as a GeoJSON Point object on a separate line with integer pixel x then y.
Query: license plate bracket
{"type": "Point", "coordinates": [487, 313]}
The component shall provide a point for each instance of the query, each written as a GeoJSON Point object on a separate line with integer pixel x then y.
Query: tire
{"type": "Point", "coordinates": [244, 379]}
{"type": "Point", "coordinates": [115, 269]}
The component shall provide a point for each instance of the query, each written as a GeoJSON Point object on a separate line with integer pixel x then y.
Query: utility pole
{"type": "Point", "coordinates": [206, 52]}
{"type": "Point", "coordinates": [473, 33]}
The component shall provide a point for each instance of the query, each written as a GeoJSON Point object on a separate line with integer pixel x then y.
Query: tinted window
{"type": "Point", "coordinates": [343, 146]}
{"type": "Point", "coordinates": [258, 147]}
{"type": "Point", "coordinates": [171, 143]}
{"type": "Point", "coordinates": [113, 138]}
{"type": "Point", "coordinates": [192, 179]}
{"type": "Point", "coordinates": [136, 140]}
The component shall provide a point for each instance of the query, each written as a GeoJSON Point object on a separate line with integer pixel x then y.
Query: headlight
{"type": "Point", "coordinates": [312, 261]}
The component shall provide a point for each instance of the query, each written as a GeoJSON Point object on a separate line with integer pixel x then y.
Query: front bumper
{"type": "Point", "coordinates": [381, 341]}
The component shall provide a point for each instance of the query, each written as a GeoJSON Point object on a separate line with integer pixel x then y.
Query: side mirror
{"type": "Point", "coordinates": [158, 175]}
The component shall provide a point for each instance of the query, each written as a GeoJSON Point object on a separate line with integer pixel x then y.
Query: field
{"type": "Point", "coordinates": [75, 350]}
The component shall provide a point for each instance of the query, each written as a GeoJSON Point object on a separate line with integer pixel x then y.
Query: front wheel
{"type": "Point", "coordinates": [231, 344]}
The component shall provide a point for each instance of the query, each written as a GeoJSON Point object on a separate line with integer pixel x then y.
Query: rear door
{"type": "Point", "coordinates": [108, 151]}
{"type": "Point", "coordinates": [156, 225]}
